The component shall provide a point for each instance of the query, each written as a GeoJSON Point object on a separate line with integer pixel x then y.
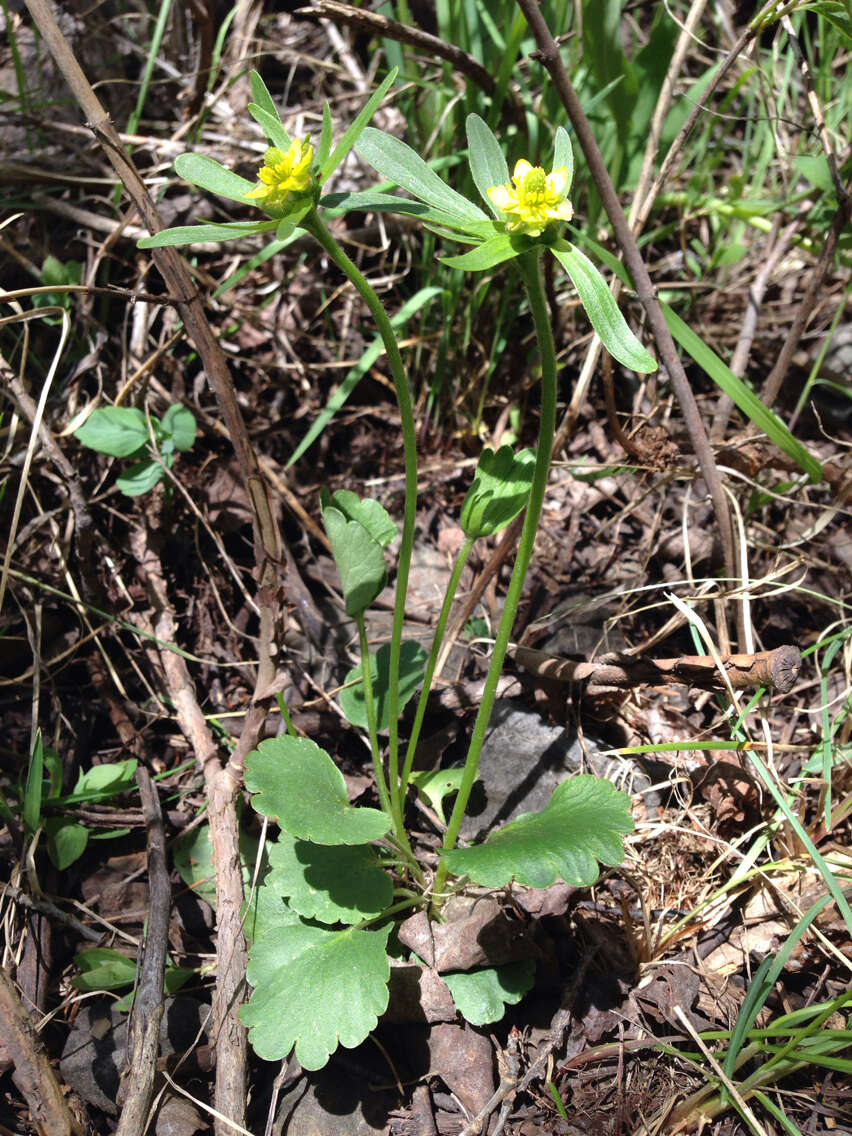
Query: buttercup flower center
{"type": "Point", "coordinates": [533, 198]}
{"type": "Point", "coordinates": [284, 175]}
{"type": "Point", "coordinates": [533, 184]}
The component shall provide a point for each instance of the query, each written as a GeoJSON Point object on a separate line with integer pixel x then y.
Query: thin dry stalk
{"type": "Point", "coordinates": [669, 357]}
{"type": "Point", "coordinates": [144, 1029]}
{"type": "Point", "coordinates": [222, 784]}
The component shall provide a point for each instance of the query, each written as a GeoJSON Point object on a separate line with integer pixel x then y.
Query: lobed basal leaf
{"type": "Point", "coordinates": [580, 825]}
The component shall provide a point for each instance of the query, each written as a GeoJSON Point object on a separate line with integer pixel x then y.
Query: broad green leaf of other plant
{"type": "Point", "coordinates": [118, 431]}
{"type": "Point", "coordinates": [296, 783]}
{"type": "Point", "coordinates": [359, 560]}
{"type": "Point", "coordinates": [371, 514]}
{"type": "Point", "coordinates": [434, 785]}
{"type": "Point", "coordinates": [315, 989]}
{"type": "Point", "coordinates": [333, 884]}
{"type": "Point", "coordinates": [581, 824]}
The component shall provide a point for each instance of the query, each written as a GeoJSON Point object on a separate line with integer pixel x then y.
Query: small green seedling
{"type": "Point", "coordinates": [54, 272]}
{"type": "Point", "coordinates": [104, 969]}
{"type": "Point", "coordinates": [125, 432]}
{"type": "Point", "coordinates": [43, 803]}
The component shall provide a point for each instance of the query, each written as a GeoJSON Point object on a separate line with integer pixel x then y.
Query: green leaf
{"type": "Point", "coordinates": [315, 989]}
{"type": "Point", "coordinates": [52, 770]}
{"type": "Point", "coordinates": [212, 176]}
{"type": "Point", "coordinates": [34, 788]}
{"type": "Point", "coordinates": [66, 841]}
{"type": "Point", "coordinates": [333, 884]}
{"type": "Point", "coordinates": [119, 431]}
{"type": "Point", "coordinates": [838, 14]}
{"type": "Point", "coordinates": [359, 560]}
{"type": "Point", "coordinates": [436, 784]}
{"type": "Point", "coordinates": [374, 201]}
{"type": "Point", "coordinates": [369, 513]}
{"type": "Point", "coordinates": [271, 126]}
{"type": "Point", "coordinates": [357, 127]}
{"type": "Point", "coordinates": [104, 781]}
{"type": "Point", "coordinates": [140, 478]}
{"type": "Point", "coordinates": [103, 969]}
{"type": "Point", "coordinates": [563, 154]}
{"type": "Point", "coordinates": [174, 978]}
{"type": "Point", "coordinates": [602, 310]}
{"type": "Point", "coordinates": [503, 246]}
{"type": "Point", "coordinates": [412, 663]}
{"type": "Point", "coordinates": [580, 825]}
{"type": "Point", "coordinates": [500, 489]}
{"type": "Point", "coordinates": [486, 158]}
{"type": "Point", "coordinates": [179, 423]}
{"type": "Point", "coordinates": [299, 785]}
{"type": "Point", "coordinates": [815, 169]}
{"type": "Point", "coordinates": [481, 996]}
{"type": "Point", "coordinates": [268, 912]}
{"type": "Point", "coordinates": [401, 165]}
{"type": "Point", "coordinates": [197, 234]}
{"type": "Point", "coordinates": [747, 401]}
{"type": "Point", "coordinates": [260, 94]}
{"type": "Point", "coordinates": [296, 212]}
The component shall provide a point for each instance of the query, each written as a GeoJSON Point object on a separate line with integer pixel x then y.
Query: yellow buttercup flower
{"type": "Point", "coordinates": [283, 176]}
{"type": "Point", "coordinates": [533, 198]}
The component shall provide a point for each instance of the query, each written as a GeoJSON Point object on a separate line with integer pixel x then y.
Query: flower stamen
{"type": "Point", "coordinates": [284, 175]}
{"type": "Point", "coordinates": [533, 198]}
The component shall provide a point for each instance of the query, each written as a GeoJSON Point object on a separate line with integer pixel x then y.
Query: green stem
{"type": "Point", "coordinates": [440, 628]}
{"type": "Point", "coordinates": [530, 268]}
{"type": "Point", "coordinates": [370, 707]}
{"type": "Point", "coordinates": [317, 229]}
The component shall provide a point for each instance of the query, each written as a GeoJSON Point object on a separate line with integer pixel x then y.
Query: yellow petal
{"type": "Point", "coordinates": [557, 180]}
{"type": "Point", "coordinates": [522, 168]}
{"type": "Point", "coordinates": [564, 211]}
{"type": "Point", "coordinates": [503, 197]}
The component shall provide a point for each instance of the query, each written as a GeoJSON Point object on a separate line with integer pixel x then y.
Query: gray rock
{"type": "Point", "coordinates": [95, 1050]}
{"type": "Point", "coordinates": [524, 759]}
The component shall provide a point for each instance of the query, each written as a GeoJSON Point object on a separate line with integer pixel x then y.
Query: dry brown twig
{"type": "Point", "coordinates": [379, 25]}
{"type": "Point", "coordinates": [144, 1029]}
{"type": "Point", "coordinates": [34, 1074]}
{"type": "Point", "coordinates": [550, 57]}
{"type": "Point", "coordinates": [778, 669]}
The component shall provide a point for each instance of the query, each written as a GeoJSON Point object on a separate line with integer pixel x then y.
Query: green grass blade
{"type": "Point", "coordinates": [747, 401]}
{"type": "Point", "coordinates": [357, 127]}
{"type": "Point", "coordinates": [153, 52]}
{"type": "Point", "coordinates": [31, 810]}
